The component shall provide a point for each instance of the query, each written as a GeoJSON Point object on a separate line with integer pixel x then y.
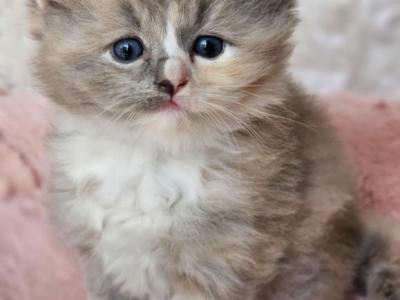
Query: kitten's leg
{"type": "Point", "coordinates": [187, 289]}
{"type": "Point", "coordinates": [384, 283]}
{"type": "Point", "coordinates": [322, 287]}
{"type": "Point", "coordinates": [321, 268]}
{"type": "Point", "coordinates": [379, 274]}
{"type": "Point", "coordinates": [111, 295]}
{"type": "Point", "coordinates": [186, 296]}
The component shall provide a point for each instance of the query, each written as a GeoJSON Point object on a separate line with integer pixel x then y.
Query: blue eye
{"type": "Point", "coordinates": [208, 46]}
{"type": "Point", "coordinates": [127, 50]}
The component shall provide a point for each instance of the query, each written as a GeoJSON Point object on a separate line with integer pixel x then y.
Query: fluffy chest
{"type": "Point", "coordinates": [130, 199]}
{"type": "Point", "coordinates": [135, 187]}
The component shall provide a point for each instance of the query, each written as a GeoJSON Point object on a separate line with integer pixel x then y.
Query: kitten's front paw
{"type": "Point", "coordinates": [187, 297]}
{"type": "Point", "coordinates": [384, 283]}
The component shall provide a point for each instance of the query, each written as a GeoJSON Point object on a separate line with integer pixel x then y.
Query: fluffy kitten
{"type": "Point", "coordinates": [186, 163]}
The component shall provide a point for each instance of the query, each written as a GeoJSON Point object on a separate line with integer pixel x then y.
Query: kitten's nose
{"type": "Point", "coordinates": [175, 76]}
{"type": "Point", "coordinates": [170, 88]}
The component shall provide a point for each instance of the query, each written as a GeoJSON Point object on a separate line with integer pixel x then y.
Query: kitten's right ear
{"type": "Point", "coordinates": [36, 11]}
{"type": "Point", "coordinates": [37, 5]}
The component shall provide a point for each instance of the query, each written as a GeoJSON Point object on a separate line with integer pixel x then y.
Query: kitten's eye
{"type": "Point", "coordinates": [208, 46]}
{"type": "Point", "coordinates": [127, 50]}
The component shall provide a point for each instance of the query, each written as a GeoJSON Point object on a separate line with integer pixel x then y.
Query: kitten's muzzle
{"type": "Point", "coordinates": [173, 76]}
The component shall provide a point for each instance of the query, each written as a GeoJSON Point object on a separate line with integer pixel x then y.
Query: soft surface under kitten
{"type": "Point", "coordinates": [186, 163]}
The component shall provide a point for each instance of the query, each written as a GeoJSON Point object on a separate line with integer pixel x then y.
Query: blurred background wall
{"type": "Point", "coordinates": [349, 45]}
{"type": "Point", "coordinates": [342, 45]}
{"type": "Point", "coordinates": [13, 46]}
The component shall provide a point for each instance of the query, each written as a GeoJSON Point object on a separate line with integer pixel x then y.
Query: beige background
{"type": "Point", "coordinates": [342, 45]}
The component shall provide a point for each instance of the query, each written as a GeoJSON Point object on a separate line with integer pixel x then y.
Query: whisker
{"type": "Point", "coordinates": [224, 129]}
{"type": "Point", "coordinates": [258, 112]}
{"type": "Point", "coordinates": [241, 123]}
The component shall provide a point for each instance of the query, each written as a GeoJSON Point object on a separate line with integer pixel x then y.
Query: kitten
{"type": "Point", "coordinates": [186, 163]}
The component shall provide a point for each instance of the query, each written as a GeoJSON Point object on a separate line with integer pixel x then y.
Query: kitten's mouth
{"type": "Point", "coordinates": [170, 105]}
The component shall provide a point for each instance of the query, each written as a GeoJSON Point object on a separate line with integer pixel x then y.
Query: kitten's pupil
{"type": "Point", "coordinates": [208, 46]}
{"type": "Point", "coordinates": [127, 50]}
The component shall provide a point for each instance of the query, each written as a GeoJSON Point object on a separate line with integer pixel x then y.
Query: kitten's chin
{"type": "Point", "coordinates": [168, 117]}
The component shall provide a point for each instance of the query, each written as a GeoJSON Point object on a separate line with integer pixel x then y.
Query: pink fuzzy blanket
{"type": "Point", "coordinates": [370, 130]}
{"type": "Point", "coordinates": [33, 263]}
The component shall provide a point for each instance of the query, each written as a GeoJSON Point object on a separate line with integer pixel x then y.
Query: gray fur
{"type": "Point", "coordinates": [290, 227]}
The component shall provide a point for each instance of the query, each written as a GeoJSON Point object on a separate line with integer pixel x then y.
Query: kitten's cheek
{"type": "Point", "coordinates": [221, 76]}
{"type": "Point", "coordinates": [186, 103]}
{"type": "Point", "coordinates": [183, 102]}
{"type": "Point", "coordinates": [189, 100]}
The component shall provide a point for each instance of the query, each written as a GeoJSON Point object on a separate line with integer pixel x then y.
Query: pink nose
{"type": "Point", "coordinates": [176, 76]}
{"type": "Point", "coordinates": [170, 88]}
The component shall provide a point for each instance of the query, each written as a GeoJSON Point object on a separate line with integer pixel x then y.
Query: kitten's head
{"type": "Point", "coordinates": [146, 61]}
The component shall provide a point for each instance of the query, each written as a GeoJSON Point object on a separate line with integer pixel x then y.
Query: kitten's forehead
{"type": "Point", "coordinates": [152, 19]}
{"type": "Point", "coordinates": [159, 18]}
{"type": "Point", "coordinates": [232, 18]}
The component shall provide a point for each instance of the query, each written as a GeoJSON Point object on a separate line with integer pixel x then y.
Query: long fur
{"type": "Point", "coordinates": [242, 194]}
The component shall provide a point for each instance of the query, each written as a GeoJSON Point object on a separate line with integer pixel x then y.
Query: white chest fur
{"type": "Point", "coordinates": [129, 197]}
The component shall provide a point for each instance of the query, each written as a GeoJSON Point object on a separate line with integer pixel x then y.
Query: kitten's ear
{"type": "Point", "coordinates": [36, 9]}
{"type": "Point", "coordinates": [37, 6]}
{"type": "Point", "coordinates": [37, 13]}
{"type": "Point", "coordinates": [43, 5]}
{"type": "Point", "coordinates": [276, 6]}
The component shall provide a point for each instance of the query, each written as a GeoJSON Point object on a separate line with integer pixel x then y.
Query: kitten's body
{"type": "Point", "coordinates": [212, 220]}
{"type": "Point", "coordinates": [241, 194]}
